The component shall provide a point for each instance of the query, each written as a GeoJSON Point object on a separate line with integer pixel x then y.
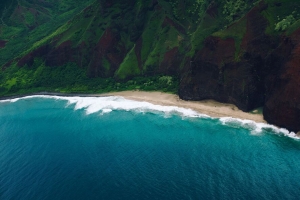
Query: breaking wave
{"type": "Point", "coordinates": [257, 128]}
{"type": "Point", "coordinates": [108, 104]}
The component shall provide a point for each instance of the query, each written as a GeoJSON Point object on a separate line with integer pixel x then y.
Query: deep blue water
{"type": "Point", "coordinates": [51, 149]}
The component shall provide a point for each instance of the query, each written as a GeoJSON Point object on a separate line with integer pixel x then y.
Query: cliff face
{"type": "Point", "coordinates": [231, 70]}
{"type": "Point", "coordinates": [264, 73]}
{"type": "Point", "coordinates": [282, 106]}
{"type": "Point", "coordinates": [242, 52]}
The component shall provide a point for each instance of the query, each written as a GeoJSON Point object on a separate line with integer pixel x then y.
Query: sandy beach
{"type": "Point", "coordinates": [208, 107]}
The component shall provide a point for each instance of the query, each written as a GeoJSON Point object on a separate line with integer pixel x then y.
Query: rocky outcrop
{"type": "Point", "coordinates": [222, 72]}
{"type": "Point", "coordinates": [266, 74]}
{"type": "Point", "coordinates": [282, 106]}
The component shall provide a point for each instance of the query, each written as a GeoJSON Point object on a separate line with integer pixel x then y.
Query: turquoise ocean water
{"type": "Point", "coordinates": [111, 148]}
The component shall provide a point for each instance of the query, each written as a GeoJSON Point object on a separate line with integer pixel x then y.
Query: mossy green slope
{"type": "Point", "coordinates": [120, 40]}
{"type": "Point", "coordinates": [24, 22]}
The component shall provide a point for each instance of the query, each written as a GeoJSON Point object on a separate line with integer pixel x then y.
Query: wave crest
{"type": "Point", "coordinates": [256, 128]}
{"type": "Point", "coordinates": [108, 104]}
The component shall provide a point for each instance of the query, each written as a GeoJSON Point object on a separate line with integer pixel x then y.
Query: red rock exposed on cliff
{"type": "Point", "coordinates": [282, 105]}
{"type": "Point", "coordinates": [222, 72]}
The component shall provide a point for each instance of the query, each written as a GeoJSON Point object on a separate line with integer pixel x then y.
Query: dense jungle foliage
{"type": "Point", "coordinates": [100, 46]}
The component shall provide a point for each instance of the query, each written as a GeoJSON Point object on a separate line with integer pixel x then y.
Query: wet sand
{"type": "Point", "coordinates": [208, 107]}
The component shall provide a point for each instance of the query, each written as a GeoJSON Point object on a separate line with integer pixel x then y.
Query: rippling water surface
{"type": "Point", "coordinates": [113, 148]}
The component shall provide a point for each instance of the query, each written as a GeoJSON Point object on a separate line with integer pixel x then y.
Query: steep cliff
{"type": "Point", "coordinates": [282, 105]}
{"type": "Point", "coordinates": [243, 52]}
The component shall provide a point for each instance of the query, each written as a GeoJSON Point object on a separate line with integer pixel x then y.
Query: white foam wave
{"type": "Point", "coordinates": [108, 104]}
{"type": "Point", "coordinates": [257, 128]}
{"type": "Point", "coordinates": [29, 97]}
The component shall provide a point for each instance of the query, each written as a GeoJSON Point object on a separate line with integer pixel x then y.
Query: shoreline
{"type": "Point", "coordinates": [208, 107]}
{"type": "Point", "coordinates": [50, 94]}
{"type": "Point", "coordinates": [211, 108]}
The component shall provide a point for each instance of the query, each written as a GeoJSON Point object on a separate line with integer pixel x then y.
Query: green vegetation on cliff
{"type": "Point", "coordinates": [71, 79]}
{"type": "Point", "coordinates": [24, 22]}
{"type": "Point", "coordinates": [91, 46]}
{"type": "Point", "coordinates": [244, 52]}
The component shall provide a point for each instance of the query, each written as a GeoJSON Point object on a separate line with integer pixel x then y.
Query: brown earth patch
{"type": "Point", "coordinates": [2, 43]}
{"type": "Point", "coordinates": [167, 21]}
{"type": "Point", "coordinates": [29, 58]}
{"type": "Point", "coordinates": [170, 63]}
{"type": "Point", "coordinates": [6, 65]}
{"type": "Point", "coordinates": [60, 55]}
{"type": "Point", "coordinates": [110, 48]}
{"type": "Point", "coordinates": [255, 40]}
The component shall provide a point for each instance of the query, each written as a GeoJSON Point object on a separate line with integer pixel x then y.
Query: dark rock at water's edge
{"type": "Point", "coordinates": [266, 74]}
{"type": "Point", "coordinates": [282, 106]}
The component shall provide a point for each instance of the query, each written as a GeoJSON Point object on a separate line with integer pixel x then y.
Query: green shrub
{"type": "Point", "coordinates": [189, 9]}
{"type": "Point", "coordinates": [285, 23]}
{"type": "Point", "coordinates": [165, 80]}
{"type": "Point", "coordinates": [234, 9]}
